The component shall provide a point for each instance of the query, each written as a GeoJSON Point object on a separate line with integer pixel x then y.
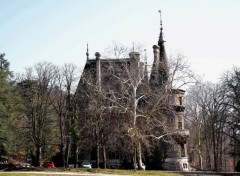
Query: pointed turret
{"type": "Point", "coordinates": [160, 69]}
{"type": "Point", "coordinates": [163, 56]}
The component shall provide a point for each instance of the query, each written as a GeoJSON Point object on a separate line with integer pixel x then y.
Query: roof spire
{"type": "Point", "coordinates": [87, 53]}
{"type": "Point", "coordinates": [133, 46]}
{"type": "Point", "coordinates": [160, 20]}
{"type": "Point", "coordinates": [160, 41]}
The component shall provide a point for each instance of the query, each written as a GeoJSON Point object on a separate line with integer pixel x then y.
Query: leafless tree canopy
{"type": "Point", "coordinates": [213, 112]}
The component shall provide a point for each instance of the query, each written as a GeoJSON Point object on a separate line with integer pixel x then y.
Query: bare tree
{"type": "Point", "coordinates": [181, 74]}
{"type": "Point", "coordinates": [70, 74]}
{"type": "Point", "coordinates": [58, 101]}
{"type": "Point", "coordinates": [36, 87]}
{"type": "Point", "coordinates": [231, 83]}
{"type": "Point", "coordinates": [208, 112]}
{"type": "Point", "coordinates": [118, 50]}
{"type": "Point", "coordinates": [63, 102]}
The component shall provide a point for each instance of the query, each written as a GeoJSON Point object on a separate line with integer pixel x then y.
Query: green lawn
{"type": "Point", "coordinates": [102, 171]}
{"type": "Point", "coordinates": [22, 174]}
{"type": "Point", "coordinates": [132, 172]}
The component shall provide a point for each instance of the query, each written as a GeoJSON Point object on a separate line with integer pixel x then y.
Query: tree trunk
{"type": "Point", "coordinates": [62, 151]}
{"type": "Point", "coordinates": [104, 158]}
{"type": "Point", "coordinates": [62, 142]}
{"type": "Point", "coordinates": [139, 156]}
{"type": "Point", "coordinates": [200, 160]}
{"type": "Point", "coordinates": [67, 153]}
{"type": "Point", "coordinates": [98, 154]}
{"type": "Point", "coordinates": [135, 159]}
{"type": "Point", "coordinates": [38, 155]}
{"type": "Point", "coordinates": [209, 162]}
{"type": "Point", "coordinates": [214, 149]}
{"type": "Point", "coordinates": [199, 150]}
{"type": "Point", "coordinates": [75, 155]}
{"type": "Point", "coordinates": [208, 165]}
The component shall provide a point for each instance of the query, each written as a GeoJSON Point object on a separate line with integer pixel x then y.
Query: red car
{"type": "Point", "coordinates": [48, 164]}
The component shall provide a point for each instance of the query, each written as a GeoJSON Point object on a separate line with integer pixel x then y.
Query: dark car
{"type": "Point", "coordinates": [48, 164]}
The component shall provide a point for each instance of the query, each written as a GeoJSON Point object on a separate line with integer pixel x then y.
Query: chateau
{"type": "Point", "coordinates": [121, 107]}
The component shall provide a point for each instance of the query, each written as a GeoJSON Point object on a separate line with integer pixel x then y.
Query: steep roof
{"type": "Point", "coordinates": [160, 69]}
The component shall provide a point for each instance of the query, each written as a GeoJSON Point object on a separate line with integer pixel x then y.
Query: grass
{"type": "Point", "coordinates": [133, 172]}
{"type": "Point", "coordinates": [24, 174]}
{"type": "Point", "coordinates": [102, 171]}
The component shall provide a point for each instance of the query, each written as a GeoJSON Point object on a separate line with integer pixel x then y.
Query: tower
{"type": "Point", "coordinates": [176, 153]}
{"type": "Point", "coordinates": [160, 70]}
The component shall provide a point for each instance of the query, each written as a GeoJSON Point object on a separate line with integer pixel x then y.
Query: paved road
{"type": "Point", "coordinates": [207, 173]}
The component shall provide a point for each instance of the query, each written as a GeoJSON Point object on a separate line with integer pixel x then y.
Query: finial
{"type": "Point", "coordinates": [160, 19]}
{"type": "Point", "coordinates": [98, 55]}
{"type": "Point", "coordinates": [87, 52]}
{"type": "Point", "coordinates": [133, 46]}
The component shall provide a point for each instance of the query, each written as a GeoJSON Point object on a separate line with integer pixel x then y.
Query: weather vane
{"type": "Point", "coordinates": [160, 18]}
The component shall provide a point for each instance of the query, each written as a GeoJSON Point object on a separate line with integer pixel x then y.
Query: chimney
{"type": "Point", "coordinates": [98, 70]}
{"type": "Point", "coordinates": [136, 69]}
{"type": "Point", "coordinates": [134, 59]}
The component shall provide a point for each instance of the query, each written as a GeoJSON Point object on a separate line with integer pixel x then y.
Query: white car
{"type": "Point", "coordinates": [86, 164]}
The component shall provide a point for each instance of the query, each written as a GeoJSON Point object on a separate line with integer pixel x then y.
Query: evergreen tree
{"type": "Point", "coordinates": [9, 101]}
{"type": "Point", "coordinates": [4, 64]}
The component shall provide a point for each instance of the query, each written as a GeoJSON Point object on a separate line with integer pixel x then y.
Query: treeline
{"type": "Point", "coordinates": [213, 111]}
{"type": "Point", "coordinates": [34, 111]}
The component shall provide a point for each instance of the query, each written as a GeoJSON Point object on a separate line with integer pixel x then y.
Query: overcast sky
{"type": "Point", "coordinates": [207, 32]}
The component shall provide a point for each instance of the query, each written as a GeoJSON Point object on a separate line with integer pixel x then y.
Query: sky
{"type": "Point", "coordinates": [206, 32]}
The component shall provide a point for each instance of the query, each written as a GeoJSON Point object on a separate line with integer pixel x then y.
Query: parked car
{"type": "Point", "coordinates": [23, 166]}
{"type": "Point", "coordinates": [86, 164]}
{"type": "Point", "coordinates": [48, 164]}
